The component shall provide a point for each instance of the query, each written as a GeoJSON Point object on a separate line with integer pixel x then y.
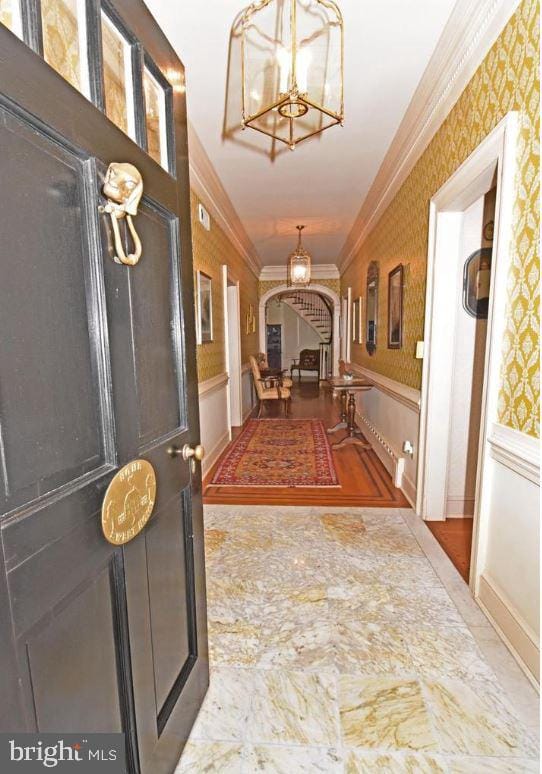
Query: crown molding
{"type": "Point", "coordinates": [207, 186]}
{"type": "Point", "coordinates": [318, 271]}
{"type": "Point", "coordinates": [473, 27]}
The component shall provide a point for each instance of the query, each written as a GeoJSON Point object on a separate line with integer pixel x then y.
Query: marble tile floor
{"type": "Point", "coordinates": [343, 640]}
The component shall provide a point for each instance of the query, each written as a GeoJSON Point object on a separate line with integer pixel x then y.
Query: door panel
{"type": "Point", "coordinates": [166, 567]}
{"type": "Point", "coordinates": [155, 320]}
{"type": "Point", "coordinates": [45, 286]}
{"type": "Point", "coordinates": [64, 657]}
{"type": "Point", "coordinates": [97, 368]}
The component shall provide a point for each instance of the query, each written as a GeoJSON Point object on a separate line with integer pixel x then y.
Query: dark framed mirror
{"type": "Point", "coordinates": [372, 307]}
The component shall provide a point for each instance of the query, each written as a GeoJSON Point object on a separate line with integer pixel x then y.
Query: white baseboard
{"type": "Point", "coordinates": [517, 635]}
{"type": "Point", "coordinates": [459, 507]}
{"type": "Point", "coordinates": [408, 488]}
{"type": "Point", "coordinates": [213, 454]}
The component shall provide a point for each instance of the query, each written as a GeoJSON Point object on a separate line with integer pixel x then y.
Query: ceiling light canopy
{"type": "Point", "coordinates": [292, 68]}
{"type": "Point", "coordinates": [299, 265]}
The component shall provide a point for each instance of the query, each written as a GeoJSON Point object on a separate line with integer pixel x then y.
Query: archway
{"type": "Point", "coordinates": [322, 290]}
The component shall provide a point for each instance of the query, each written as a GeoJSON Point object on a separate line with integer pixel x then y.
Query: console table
{"type": "Point", "coordinates": [347, 389]}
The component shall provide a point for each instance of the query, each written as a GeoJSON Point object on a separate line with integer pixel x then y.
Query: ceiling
{"type": "Point", "coordinates": [323, 182]}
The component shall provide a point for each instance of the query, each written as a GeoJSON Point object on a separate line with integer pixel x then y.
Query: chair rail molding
{"type": "Point", "coordinates": [213, 384]}
{"type": "Point", "coordinates": [471, 30]}
{"type": "Point", "coordinates": [409, 396]}
{"type": "Point", "coordinates": [516, 450]}
{"type": "Point", "coordinates": [208, 186]}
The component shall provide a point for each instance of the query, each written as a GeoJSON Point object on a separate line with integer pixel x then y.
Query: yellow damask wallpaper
{"type": "Point", "coordinates": [212, 250]}
{"type": "Point", "coordinates": [506, 80]}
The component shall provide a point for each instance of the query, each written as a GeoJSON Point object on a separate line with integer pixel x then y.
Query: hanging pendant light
{"type": "Point", "coordinates": [292, 68]}
{"type": "Point", "coordinates": [299, 265]}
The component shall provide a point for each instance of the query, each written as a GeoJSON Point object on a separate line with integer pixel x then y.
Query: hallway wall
{"type": "Point", "coordinates": [506, 80]}
{"type": "Point", "coordinates": [212, 250]}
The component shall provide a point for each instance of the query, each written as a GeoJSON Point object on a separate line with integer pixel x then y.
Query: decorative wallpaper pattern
{"type": "Point", "coordinates": [266, 285]}
{"type": "Point", "coordinates": [114, 52]}
{"type": "Point", "coordinates": [6, 14]}
{"type": "Point", "coordinates": [506, 80]}
{"type": "Point", "coordinates": [61, 39]}
{"type": "Point", "coordinates": [212, 250]}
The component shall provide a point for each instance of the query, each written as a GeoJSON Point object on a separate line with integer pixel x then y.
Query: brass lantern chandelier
{"type": "Point", "coordinates": [292, 68]}
{"type": "Point", "coordinates": [299, 265]}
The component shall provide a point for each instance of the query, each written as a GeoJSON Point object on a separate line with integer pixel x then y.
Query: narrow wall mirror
{"type": "Point", "coordinates": [372, 307]}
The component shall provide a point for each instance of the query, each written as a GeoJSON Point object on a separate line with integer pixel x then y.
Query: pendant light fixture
{"type": "Point", "coordinates": [299, 265]}
{"type": "Point", "coordinates": [292, 68]}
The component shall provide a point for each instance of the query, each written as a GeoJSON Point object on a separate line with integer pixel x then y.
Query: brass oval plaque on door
{"type": "Point", "coordinates": [128, 502]}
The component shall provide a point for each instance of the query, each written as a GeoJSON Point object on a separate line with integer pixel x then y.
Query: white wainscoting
{"type": "Point", "coordinates": [247, 390]}
{"type": "Point", "coordinates": [213, 411]}
{"type": "Point", "coordinates": [388, 416]}
{"type": "Point", "coordinates": [507, 582]}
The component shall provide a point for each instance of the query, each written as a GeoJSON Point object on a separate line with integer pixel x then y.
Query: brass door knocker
{"type": "Point", "coordinates": [123, 188]}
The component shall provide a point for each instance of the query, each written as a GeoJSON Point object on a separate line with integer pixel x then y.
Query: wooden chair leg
{"type": "Point", "coordinates": [260, 409]}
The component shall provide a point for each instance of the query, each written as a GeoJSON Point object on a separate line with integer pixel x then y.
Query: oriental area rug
{"type": "Point", "coordinates": [278, 452]}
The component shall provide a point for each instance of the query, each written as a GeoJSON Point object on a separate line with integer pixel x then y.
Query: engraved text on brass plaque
{"type": "Point", "coordinates": [128, 502]}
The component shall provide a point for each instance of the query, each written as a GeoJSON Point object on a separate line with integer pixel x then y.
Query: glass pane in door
{"type": "Point", "coordinates": [118, 92]}
{"type": "Point", "coordinates": [10, 16]}
{"type": "Point", "coordinates": [64, 40]}
{"type": "Point", "coordinates": [155, 119]}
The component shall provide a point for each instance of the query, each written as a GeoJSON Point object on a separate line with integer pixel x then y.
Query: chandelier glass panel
{"type": "Point", "coordinates": [298, 270]}
{"type": "Point", "coordinates": [292, 68]}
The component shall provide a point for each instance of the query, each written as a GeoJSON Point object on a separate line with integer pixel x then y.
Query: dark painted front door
{"type": "Point", "coordinates": [97, 368]}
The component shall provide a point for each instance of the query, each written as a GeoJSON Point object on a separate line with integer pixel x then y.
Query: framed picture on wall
{"type": "Point", "coordinates": [395, 308]}
{"type": "Point", "coordinates": [360, 320]}
{"type": "Point", "coordinates": [355, 320]}
{"type": "Point", "coordinates": [205, 308]}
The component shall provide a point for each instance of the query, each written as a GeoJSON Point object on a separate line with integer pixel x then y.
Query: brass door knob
{"type": "Point", "coordinates": [187, 452]}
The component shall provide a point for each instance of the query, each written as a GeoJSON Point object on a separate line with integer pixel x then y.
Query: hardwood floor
{"type": "Point", "coordinates": [455, 537]}
{"type": "Point", "coordinates": [364, 480]}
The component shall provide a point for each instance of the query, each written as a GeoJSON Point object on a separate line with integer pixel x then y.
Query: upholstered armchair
{"type": "Point", "coordinates": [309, 360]}
{"type": "Point", "coordinates": [269, 388]}
{"type": "Point", "coordinates": [263, 365]}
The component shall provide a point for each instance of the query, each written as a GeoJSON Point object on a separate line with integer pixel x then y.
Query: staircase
{"type": "Point", "coordinates": [314, 310]}
{"type": "Point", "coordinates": [317, 312]}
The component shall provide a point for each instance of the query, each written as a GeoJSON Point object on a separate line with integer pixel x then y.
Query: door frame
{"type": "Point", "coordinates": [475, 176]}
{"type": "Point", "coordinates": [234, 366]}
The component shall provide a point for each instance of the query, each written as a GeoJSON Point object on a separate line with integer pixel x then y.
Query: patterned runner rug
{"type": "Point", "coordinates": [278, 452]}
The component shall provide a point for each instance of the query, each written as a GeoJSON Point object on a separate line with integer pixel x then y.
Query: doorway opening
{"type": "Point", "coordinates": [313, 321]}
{"type": "Point", "coordinates": [299, 334]}
{"type": "Point", "coordinates": [468, 263]}
{"type": "Point", "coordinates": [468, 346]}
{"type": "Point", "coordinates": [232, 328]}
